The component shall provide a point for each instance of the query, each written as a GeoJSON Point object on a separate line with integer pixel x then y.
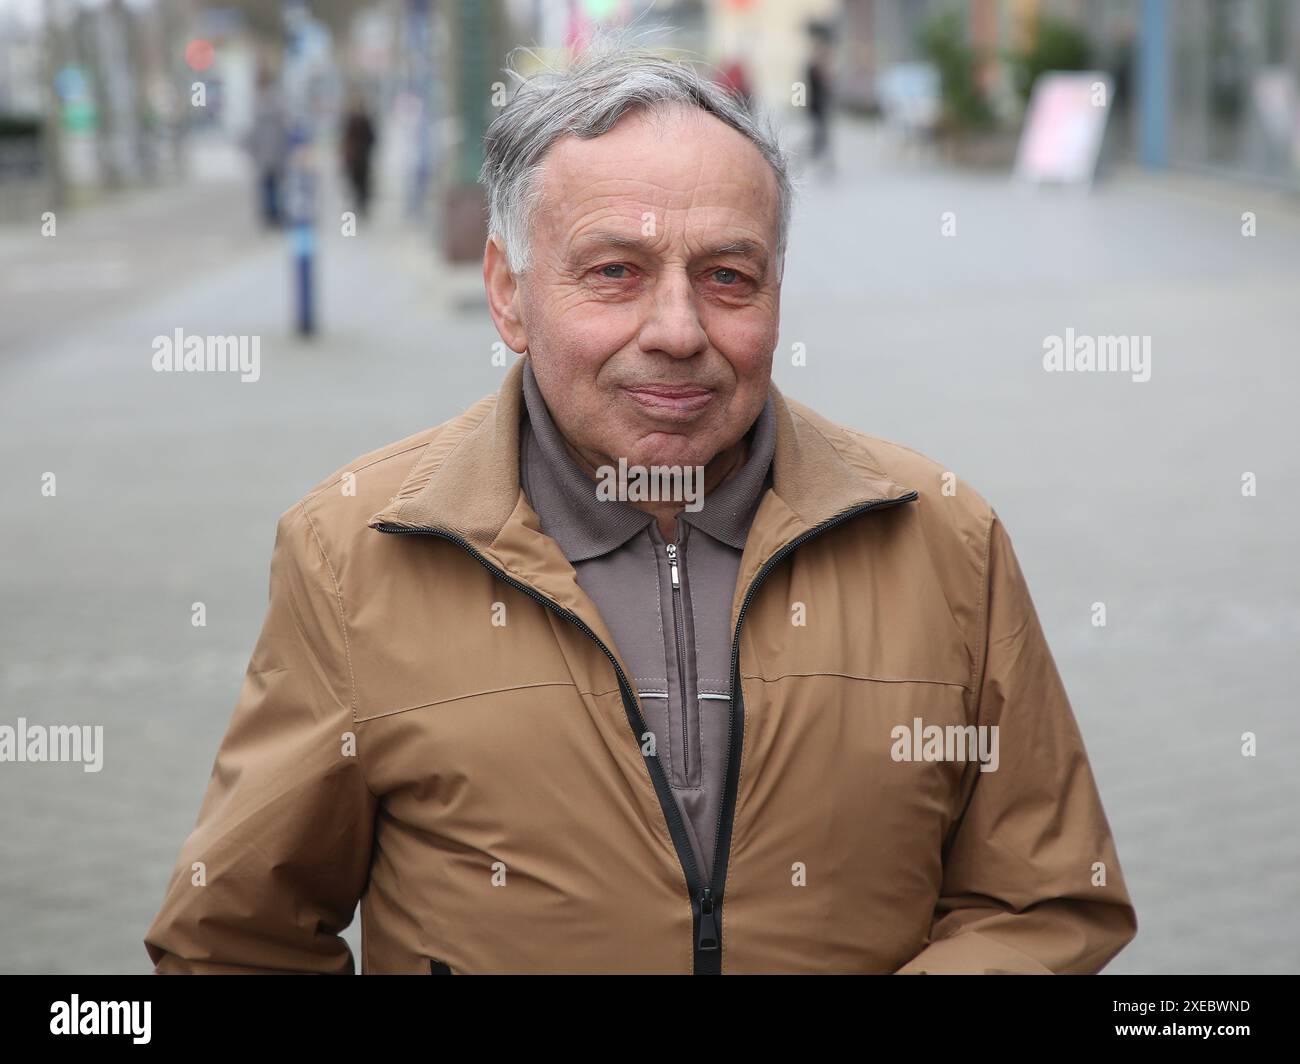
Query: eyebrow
{"type": "Point", "coordinates": [742, 246]}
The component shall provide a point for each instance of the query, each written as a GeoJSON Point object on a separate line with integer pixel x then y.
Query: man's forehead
{"type": "Point", "coordinates": [699, 161]}
{"type": "Point", "coordinates": [627, 192]}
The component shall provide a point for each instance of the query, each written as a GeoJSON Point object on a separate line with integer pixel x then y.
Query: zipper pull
{"type": "Point", "coordinates": [708, 926]}
{"type": "Point", "coordinates": [672, 561]}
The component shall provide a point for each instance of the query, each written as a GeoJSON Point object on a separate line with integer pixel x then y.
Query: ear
{"type": "Point", "coordinates": [503, 296]}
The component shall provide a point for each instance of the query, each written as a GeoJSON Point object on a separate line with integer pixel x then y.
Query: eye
{"type": "Point", "coordinates": [604, 271]}
{"type": "Point", "coordinates": [726, 276]}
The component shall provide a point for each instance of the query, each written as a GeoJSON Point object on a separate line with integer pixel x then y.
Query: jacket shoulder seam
{"type": "Point", "coordinates": [338, 599]}
{"type": "Point", "coordinates": [978, 662]}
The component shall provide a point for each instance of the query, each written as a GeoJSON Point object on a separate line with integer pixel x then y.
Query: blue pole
{"type": "Point", "coordinates": [301, 190]}
{"type": "Point", "coordinates": [306, 317]}
{"type": "Point", "coordinates": [1153, 83]}
{"type": "Point", "coordinates": [301, 176]}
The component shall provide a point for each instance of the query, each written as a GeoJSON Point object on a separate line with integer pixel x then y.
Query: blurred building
{"type": "Point", "coordinates": [98, 93]}
{"type": "Point", "coordinates": [1205, 84]}
{"type": "Point", "coordinates": [769, 39]}
{"type": "Point", "coordinates": [1234, 98]}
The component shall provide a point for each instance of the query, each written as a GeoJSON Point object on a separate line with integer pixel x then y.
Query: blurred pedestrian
{"type": "Point", "coordinates": [268, 144]}
{"type": "Point", "coordinates": [357, 145]}
{"type": "Point", "coordinates": [817, 77]}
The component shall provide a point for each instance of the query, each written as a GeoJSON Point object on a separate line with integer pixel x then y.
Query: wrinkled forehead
{"type": "Point", "coordinates": [672, 169]}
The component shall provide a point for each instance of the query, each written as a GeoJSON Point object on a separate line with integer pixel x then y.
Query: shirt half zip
{"type": "Point", "coordinates": [679, 634]}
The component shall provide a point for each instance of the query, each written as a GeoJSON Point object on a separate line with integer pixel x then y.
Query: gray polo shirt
{"type": "Point", "coordinates": [668, 606]}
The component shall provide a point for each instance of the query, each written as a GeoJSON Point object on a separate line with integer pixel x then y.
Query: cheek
{"type": "Point", "coordinates": [746, 340]}
{"type": "Point", "coordinates": [582, 333]}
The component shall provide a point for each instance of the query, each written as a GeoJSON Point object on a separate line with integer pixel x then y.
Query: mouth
{"type": "Point", "coordinates": [670, 400]}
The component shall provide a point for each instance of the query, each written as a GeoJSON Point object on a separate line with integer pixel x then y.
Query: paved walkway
{"type": "Point", "coordinates": [169, 486]}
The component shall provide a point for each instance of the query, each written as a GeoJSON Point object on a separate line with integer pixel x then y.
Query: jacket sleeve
{"type": "Point", "coordinates": [274, 868]}
{"type": "Point", "coordinates": [1031, 879]}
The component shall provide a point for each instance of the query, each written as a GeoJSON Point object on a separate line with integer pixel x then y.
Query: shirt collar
{"type": "Point", "coordinates": [584, 526]}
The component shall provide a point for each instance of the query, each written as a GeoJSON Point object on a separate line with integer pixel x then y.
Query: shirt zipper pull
{"type": "Point", "coordinates": [672, 561]}
{"type": "Point", "coordinates": [708, 925]}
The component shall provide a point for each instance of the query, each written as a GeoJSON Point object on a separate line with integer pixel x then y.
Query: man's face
{"type": "Point", "coordinates": [651, 308]}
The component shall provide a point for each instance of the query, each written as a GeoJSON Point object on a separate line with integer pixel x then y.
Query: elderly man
{"type": "Point", "coordinates": [791, 712]}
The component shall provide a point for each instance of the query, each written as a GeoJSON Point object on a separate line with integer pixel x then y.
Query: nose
{"type": "Point", "coordinates": [672, 326]}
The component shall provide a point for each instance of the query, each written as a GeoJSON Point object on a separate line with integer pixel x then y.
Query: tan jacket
{"type": "Point", "coordinates": [436, 722]}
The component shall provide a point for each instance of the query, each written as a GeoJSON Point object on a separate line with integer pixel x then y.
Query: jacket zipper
{"type": "Point", "coordinates": [679, 632]}
{"type": "Point", "coordinates": [706, 900]}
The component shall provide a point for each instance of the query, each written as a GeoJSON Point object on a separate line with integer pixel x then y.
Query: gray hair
{"type": "Point", "coordinates": [603, 83]}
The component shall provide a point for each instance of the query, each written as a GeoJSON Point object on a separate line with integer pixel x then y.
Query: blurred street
{"type": "Point", "coordinates": [169, 486]}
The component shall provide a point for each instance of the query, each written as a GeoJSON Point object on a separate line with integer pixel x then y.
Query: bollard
{"type": "Point", "coordinates": [300, 196]}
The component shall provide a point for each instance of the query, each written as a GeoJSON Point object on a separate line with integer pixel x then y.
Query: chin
{"type": "Point", "coordinates": [671, 453]}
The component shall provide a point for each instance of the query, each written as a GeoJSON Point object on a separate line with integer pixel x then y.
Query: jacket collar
{"type": "Point", "coordinates": [466, 483]}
